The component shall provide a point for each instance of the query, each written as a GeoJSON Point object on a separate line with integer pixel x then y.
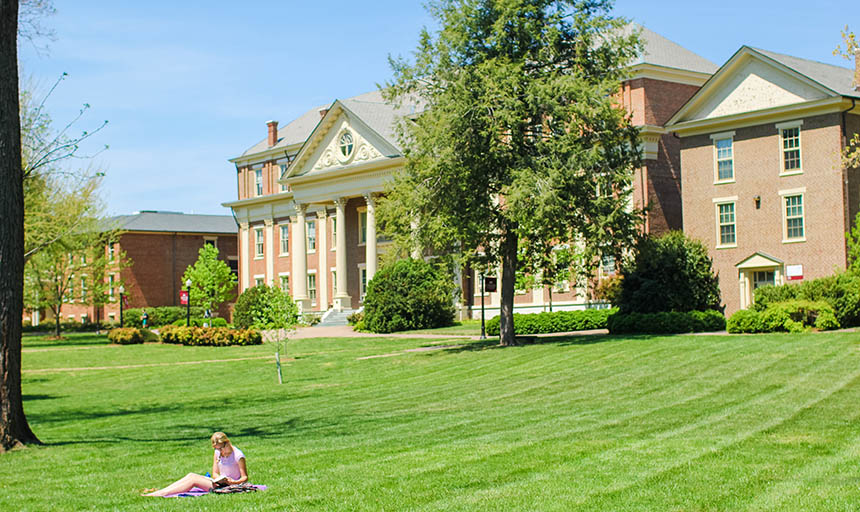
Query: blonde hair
{"type": "Point", "coordinates": [220, 438]}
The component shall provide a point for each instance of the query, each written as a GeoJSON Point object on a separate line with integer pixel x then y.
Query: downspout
{"type": "Point", "coordinates": [845, 198]}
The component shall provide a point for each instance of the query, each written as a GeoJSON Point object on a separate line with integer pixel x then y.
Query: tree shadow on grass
{"type": "Point", "coordinates": [560, 340]}
{"type": "Point", "coordinates": [67, 341]}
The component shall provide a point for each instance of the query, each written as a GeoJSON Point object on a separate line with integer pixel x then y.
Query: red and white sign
{"type": "Point", "coordinates": [794, 272]}
{"type": "Point", "coordinates": [183, 297]}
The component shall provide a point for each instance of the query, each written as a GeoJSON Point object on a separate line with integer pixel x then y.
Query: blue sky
{"type": "Point", "coordinates": [186, 85]}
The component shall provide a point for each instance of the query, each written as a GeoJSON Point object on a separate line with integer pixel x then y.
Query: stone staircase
{"type": "Point", "coordinates": [333, 318]}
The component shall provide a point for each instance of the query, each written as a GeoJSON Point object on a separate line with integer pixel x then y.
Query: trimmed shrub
{"type": "Point", "coordinates": [149, 336]}
{"type": "Point", "coordinates": [198, 322]}
{"type": "Point", "coordinates": [666, 322]}
{"type": "Point", "coordinates": [355, 318]}
{"type": "Point", "coordinates": [211, 337]}
{"type": "Point", "coordinates": [265, 307]}
{"type": "Point", "coordinates": [125, 336]}
{"type": "Point", "coordinates": [158, 316]}
{"type": "Point", "coordinates": [409, 294]}
{"type": "Point", "coordinates": [786, 316]}
{"type": "Point", "coordinates": [670, 273]}
{"type": "Point", "coordinates": [841, 291]}
{"type": "Point", "coordinates": [557, 321]}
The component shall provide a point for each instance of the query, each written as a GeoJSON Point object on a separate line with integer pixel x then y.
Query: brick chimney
{"type": "Point", "coordinates": [323, 112]}
{"type": "Point", "coordinates": [273, 132]}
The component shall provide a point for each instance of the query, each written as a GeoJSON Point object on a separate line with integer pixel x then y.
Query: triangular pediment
{"type": "Point", "coordinates": [341, 140]}
{"type": "Point", "coordinates": [748, 82]}
{"type": "Point", "coordinates": [759, 260]}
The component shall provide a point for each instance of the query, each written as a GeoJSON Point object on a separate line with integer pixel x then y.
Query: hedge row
{"type": "Point", "coordinates": [212, 337]}
{"type": "Point", "coordinates": [840, 291]}
{"type": "Point", "coordinates": [199, 322]}
{"type": "Point", "coordinates": [131, 336]}
{"type": "Point", "coordinates": [787, 316]}
{"type": "Point", "coordinates": [162, 315]}
{"type": "Point", "coordinates": [557, 321]}
{"type": "Point", "coordinates": [666, 322]}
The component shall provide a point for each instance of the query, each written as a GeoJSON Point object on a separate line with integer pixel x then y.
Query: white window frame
{"type": "Point", "coordinates": [281, 276]}
{"type": "Point", "coordinates": [70, 290]}
{"type": "Point", "coordinates": [111, 252]}
{"type": "Point", "coordinates": [784, 195]}
{"type": "Point", "coordinates": [111, 287]}
{"type": "Point", "coordinates": [283, 169]}
{"type": "Point", "coordinates": [312, 291]}
{"type": "Point", "coordinates": [83, 287]}
{"type": "Point", "coordinates": [333, 234]}
{"type": "Point", "coordinates": [112, 317]}
{"type": "Point", "coordinates": [285, 241]}
{"type": "Point", "coordinates": [258, 181]}
{"type": "Point", "coordinates": [362, 233]}
{"type": "Point", "coordinates": [362, 281]}
{"type": "Point", "coordinates": [733, 200]}
{"type": "Point", "coordinates": [311, 241]}
{"type": "Point", "coordinates": [259, 243]}
{"type": "Point", "coordinates": [780, 127]}
{"type": "Point", "coordinates": [259, 279]}
{"type": "Point", "coordinates": [213, 239]}
{"type": "Point", "coordinates": [333, 272]}
{"type": "Point", "coordinates": [716, 138]}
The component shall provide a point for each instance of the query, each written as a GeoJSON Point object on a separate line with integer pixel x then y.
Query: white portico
{"type": "Point", "coordinates": [319, 226]}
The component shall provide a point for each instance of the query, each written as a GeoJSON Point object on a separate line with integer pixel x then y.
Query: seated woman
{"type": "Point", "coordinates": [228, 461]}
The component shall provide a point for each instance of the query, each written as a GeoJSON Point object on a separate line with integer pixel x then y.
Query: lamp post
{"type": "Point", "coordinates": [121, 292]}
{"type": "Point", "coordinates": [188, 304]}
{"type": "Point", "coordinates": [483, 327]}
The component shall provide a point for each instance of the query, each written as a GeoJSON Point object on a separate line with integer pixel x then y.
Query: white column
{"type": "Point", "coordinates": [244, 255]}
{"type": "Point", "coordinates": [300, 261]}
{"type": "Point", "coordinates": [370, 245]}
{"type": "Point", "coordinates": [341, 299]}
{"type": "Point", "coordinates": [270, 251]}
{"type": "Point", "coordinates": [322, 259]}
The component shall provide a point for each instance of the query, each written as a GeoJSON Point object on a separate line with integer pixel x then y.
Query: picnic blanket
{"type": "Point", "coordinates": [223, 490]}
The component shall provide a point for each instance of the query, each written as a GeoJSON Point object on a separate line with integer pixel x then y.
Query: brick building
{"type": "Point", "coordinates": [764, 185]}
{"type": "Point", "coordinates": [306, 193]}
{"type": "Point", "coordinates": [160, 245]}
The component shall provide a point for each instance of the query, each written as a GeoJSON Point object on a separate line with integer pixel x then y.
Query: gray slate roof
{"type": "Point", "coordinates": [380, 116]}
{"type": "Point", "coordinates": [835, 78]}
{"type": "Point", "coordinates": [175, 222]}
{"type": "Point", "coordinates": [660, 51]}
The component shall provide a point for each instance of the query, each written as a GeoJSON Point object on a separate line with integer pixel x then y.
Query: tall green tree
{"type": "Point", "coordinates": [851, 152]}
{"type": "Point", "coordinates": [212, 282]}
{"type": "Point", "coordinates": [14, 429]}
{"type": "Point", "coordinates": [519, 136]}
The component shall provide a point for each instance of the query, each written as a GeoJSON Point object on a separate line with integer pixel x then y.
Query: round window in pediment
{"type": "Point", "coordinates": [346, 144]}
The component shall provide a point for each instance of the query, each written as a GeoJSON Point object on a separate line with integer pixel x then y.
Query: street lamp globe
{"type": "Point", "coordinates": [188, 284]}
{"type": "Point", "coordinates": [121, 289]}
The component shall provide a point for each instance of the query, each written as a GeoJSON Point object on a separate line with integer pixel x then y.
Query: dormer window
{"type": "Point", "coordinates": [346, 144]}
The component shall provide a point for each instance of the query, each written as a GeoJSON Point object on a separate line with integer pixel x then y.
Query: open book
{"type": "Point", "coordinates": [219, 480]}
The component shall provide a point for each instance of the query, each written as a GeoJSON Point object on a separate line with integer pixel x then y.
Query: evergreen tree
{"type": "Point", "coordinates": [518, 135]}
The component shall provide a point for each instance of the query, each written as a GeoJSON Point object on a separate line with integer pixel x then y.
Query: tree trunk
{"type": "Point", "coordinates": [508, 253]}
{"type": "Point", "coordinates": [14, 430]}
{"type": "Point", "coordinates": [550, 298]}
{"type": "Point", "coordinates": [57, 332]}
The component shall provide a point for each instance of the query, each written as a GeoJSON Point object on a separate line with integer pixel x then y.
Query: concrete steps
{"type": "Point", "coordinates": [333, 318]}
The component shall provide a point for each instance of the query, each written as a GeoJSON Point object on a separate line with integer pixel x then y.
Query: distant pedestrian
{"type": "Point", "coordinates": [144, 319]}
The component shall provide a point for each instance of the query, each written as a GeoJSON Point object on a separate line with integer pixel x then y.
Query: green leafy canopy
{"type": "Point", "coordinates": [212, 282]}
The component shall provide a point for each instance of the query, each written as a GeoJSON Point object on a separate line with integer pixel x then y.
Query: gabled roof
{"type": "Point", "coordinates": [811, 80]}
{"type": "Point", "coordinates": [660, 51]}
{"type": "Point", "coordinates": [835, 78]}
{"type": "Point", "coordinates": [758, 260]}
{"type": "Point", "coordinates": [174, 222]}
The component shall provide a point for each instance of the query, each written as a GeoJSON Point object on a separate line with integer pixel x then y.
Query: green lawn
{"type": "Point", "coordinates": [461, 328]}
{"type": "Point", "coordinates": [764, 422]}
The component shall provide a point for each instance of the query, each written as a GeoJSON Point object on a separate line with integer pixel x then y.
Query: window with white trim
{"type": "Point", "coordinates": [726, 224]}
{"type": "Point", "coordinates": [285, 239]}
{"type": "Point", "coordinates": [312, 235]}
{"type": "Point", "coordinates": [362, 283]}
{"type": "Point", "coordinates": [283, 174]}
{"type": "Point", "coordinates": [285, 283]}
{"type": "Point", "coordinates": [258, 181]}
{"type": "Point", "coordinates": [111, 282]}
{"type": "Point", "coordinates": [794, 217]}
{"type": "Point", "coordinates": [259, 244]}
{"type": "Point", "coordinates": [607, 265]}
{"type": "Point", "coordinates": [83, 288]}
{"type": "Point", "coordinates": [362, 227]}
{"type": "Point", "coordinates": [334, 233]}
{"type": "Point", "coordinates": [70, 291]}
{"type": "Point", "coordinates": [111, 252]}
{"type": "Point", "coordinates": [259, 280]}
{"type": "Point", "coordinates": [725, 159]}
{"type": "Point", "coordinates": [312, 288]}
{"type": "Point", "coordinates": [791, 161]}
